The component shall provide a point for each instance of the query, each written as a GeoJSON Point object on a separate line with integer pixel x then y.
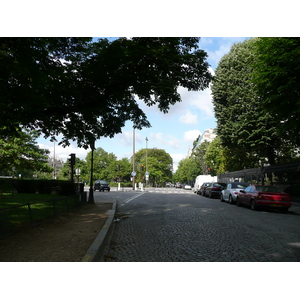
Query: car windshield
{"type": "Point", "coordinates": [220, 184]}
{"type": "Point", "coordinates": [239, 185]}
{"type": "Point", "coordinates": [272, 189]}
{"type": "Point", "coordinates": [103, 182]}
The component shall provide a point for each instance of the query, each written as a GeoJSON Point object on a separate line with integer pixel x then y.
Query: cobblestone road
{"type": "Point", "coordinates": [165, 227]}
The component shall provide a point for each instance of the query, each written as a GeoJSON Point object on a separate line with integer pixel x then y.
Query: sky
{"type": "Point", "coordinates": [175, 131]}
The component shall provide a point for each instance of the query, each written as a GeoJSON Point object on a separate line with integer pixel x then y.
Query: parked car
{"type": "Point", "coordinates": [203, 188]}
{"type": "Point", "coordinates": [214, 189]}
{"type": "Point", "coordinates": [187, 187]}
{"type": "Point", "coordinates": [264, 196]}
{"type": "Point", "coordinates": [178, 185]}
{"type": "Point", "coordinates": [101, 185]}
{"type": "Point", "coordinates": [229, 194]}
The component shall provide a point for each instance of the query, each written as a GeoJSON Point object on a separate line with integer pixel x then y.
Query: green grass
{"type": "Point", "coordinates": [16, 212]}
{"type": "Point", "coordinates": [22, 199]}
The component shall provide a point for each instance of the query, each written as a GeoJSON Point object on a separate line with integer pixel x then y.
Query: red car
{"type": "Point", "coordinates": [264, 195]}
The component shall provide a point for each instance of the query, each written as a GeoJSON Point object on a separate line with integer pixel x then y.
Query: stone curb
{"type": "Point", "coordinates": [95, 251]}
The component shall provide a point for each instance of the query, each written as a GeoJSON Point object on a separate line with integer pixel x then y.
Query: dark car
{"type": "Point", "coordinates": [264, 196]}
{"type": "Point", "coordinates": [101, 185]}
{"type": "Point", "coordinates": [215, 189]}
{"type": "Point", "coordinates": [203, 188]}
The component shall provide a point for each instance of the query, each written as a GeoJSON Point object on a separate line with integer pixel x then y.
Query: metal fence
{"type": "Point", "coordinates": [286, 176]}
{"type": "Point", "coordinates": [17, 217]}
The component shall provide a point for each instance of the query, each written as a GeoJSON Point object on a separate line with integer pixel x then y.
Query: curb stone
{"type": "Point", "coordinates": [95, 251]}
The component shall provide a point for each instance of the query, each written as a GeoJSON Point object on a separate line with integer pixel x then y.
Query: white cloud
{"type": "Point", "coordinates": [159, 140]}
{"type": "Point", "coordinates": [190, 136]}
{"type": "Point", "coordinates": [189, 118]}
{"type": "Point", "coordinates": [64, 153]}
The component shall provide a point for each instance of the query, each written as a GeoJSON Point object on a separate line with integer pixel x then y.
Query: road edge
{"type": "Point", "coordinates": [95, 252]}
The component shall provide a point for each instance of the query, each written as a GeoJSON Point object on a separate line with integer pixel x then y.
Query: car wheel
{"type": "Point", "coordinates": [238, 203]}
{"type": "Point", "coordinates": [222, 199]}
{"type": "Point", "coordinates": [253, 205]}
{"type": "Point", "coordinates": [230, 199]}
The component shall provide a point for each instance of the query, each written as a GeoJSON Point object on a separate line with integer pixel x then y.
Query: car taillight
{"type": "Point", "coordinates": [236, 193]}
{"type": "Point", "coordinates": [214, 189]}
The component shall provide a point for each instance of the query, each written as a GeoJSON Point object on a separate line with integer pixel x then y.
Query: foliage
{"type": "Point", "coordinates": [84, 90]}
{"type": "Point", "coordinates": [19, 154]}
{"type": "Point", "coordinates": [160, 165]}
{"type": "Point", "coordinates": [244, 128]}
{"type": "Point", "coordinates": [198, 157]}
{"type": "Point", "coordinates": [277, 77]}
{"type": "Point", "coordinates": [214, 157]}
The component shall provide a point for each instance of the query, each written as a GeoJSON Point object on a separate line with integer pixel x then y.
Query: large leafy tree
{"type": "Point", "coordinates": [21, 153]}
{"type": "Point", "coordinates": [86, 90]}
{"type": "Point", "coordinates": [36, 82]}
{"type": "Point", "coordinates": [246, 130]}
{"type": "Point", "coordinates": [160, 165]}
{"type": "Point", "coordinates": [277, 77]}
{"type": "Point", "coordinates": [105, 164]}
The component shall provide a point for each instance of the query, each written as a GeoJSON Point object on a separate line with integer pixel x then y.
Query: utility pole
{"type": "Point", "coordinates": [147, 174]}
{"type": "Point", "coordinates": [133, 161]}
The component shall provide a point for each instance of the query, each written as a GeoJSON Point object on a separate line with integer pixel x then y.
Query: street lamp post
{"type": "Point", "coordinates": [133, 161]}
{"type": "Point", "coordinates": [147, 176]}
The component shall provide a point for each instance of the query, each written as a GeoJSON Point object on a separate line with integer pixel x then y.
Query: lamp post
{"type": "Point", "coordinates": [147, 176]}
{"type": "Point", "coordinates": [133, 160]}
{"type": "Point", "coordinates": [91, 193]}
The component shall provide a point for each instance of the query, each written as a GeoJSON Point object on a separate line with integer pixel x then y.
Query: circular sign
{"type": "Point", "coordinates": [133, 174]}
{"type": "Point", "coordinates": [147, 173]}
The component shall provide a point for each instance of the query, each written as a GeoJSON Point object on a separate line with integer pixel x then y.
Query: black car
{"type": "Point", "coordinates": [203, 188]}
{"type": "Point", "coordinates": [101, 185]}
{"type": "Point", "coordinates": [215, 189]}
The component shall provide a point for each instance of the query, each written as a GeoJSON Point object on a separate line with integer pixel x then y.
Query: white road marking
{"type": "Point", "coordinates": [132, 198]}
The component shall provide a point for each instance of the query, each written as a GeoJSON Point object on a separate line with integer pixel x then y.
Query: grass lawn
{"type": "Point", "coordinates": [22, 209]}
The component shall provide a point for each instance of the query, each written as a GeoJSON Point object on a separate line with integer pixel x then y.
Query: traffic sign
{"type": "Point", "coordinates": [133, 173]}
{"type": "Point", "coordinates": [147, 173]}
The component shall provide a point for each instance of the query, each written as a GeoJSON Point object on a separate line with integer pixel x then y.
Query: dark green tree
{"type": "Point", "coordinates": [160, 166]}
{"type": "Point", "coordinates": [79, 89]}
{"type": "Point", "coordinates": [20, 154]}
{"type": "Point", "coordinates": [246, 131]}
{"type": "Point", "coordinates": [277, 77]}
{"type": "Point", "coordinates": [105, 165]}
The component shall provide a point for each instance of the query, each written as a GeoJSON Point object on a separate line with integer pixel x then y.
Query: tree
{"type": "Point", "coordinates": [20, 154]}
{"type": "Point", "coordinates": [80, 89]}
{"type": "Point", "coordinates": [247, 132]}
{"type": "Point", "coordinates": [183, 173]}
{"type": "Point", "coordinates": [214, 157]}
{"type": "Point", "coordinates": [198, 158]}
{"type": "Point", "coordinates": [64, 172]}
{"type": "Point", "coordinates": [105, 165]}
{"type": "Point", "coordinates": [160, 165]}
{"type": "Point", "coordinates": [36, 82]}
{"type": "Point", "coordinates": [277, 77]}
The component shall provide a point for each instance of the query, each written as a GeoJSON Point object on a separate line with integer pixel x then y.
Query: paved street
{"type": "Point", "coordinates": [165, 225]}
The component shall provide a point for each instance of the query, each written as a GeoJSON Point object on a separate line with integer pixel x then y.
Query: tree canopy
{"type": "Point", "coordinates": [277, 76]}
{"type": "Point", "coordinates": [21, 153]}
{"type": "Point", "coordinates": [83, 89]}
{"type": "Point", "coordinates": [160, 165]}
{"type": "Point", "coordinates": [244, 127]}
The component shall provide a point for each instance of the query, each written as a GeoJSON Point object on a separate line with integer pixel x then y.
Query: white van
{"type": "Point", "coordinates": [201, 179]}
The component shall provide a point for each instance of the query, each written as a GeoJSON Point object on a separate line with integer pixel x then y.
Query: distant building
{"type": "Point", "coordinates": [56, 164]}
{"type": "Point", "coordinates": [208, 135]}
